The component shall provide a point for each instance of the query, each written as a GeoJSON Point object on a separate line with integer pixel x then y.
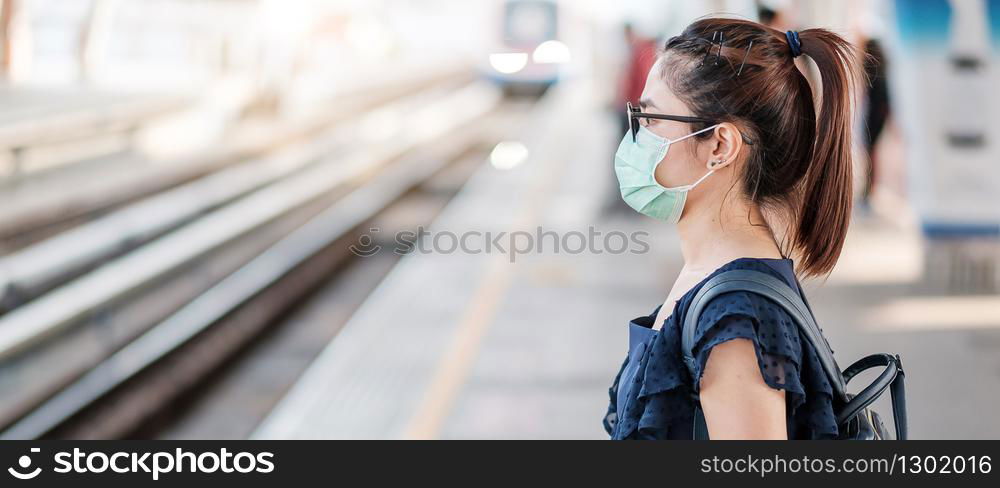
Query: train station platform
{"type": "Point", "coordinates": [525, 345]}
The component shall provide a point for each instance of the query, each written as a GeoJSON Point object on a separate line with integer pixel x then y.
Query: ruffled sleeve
{"type": "Point", "coordinates": [785, 362]}
{"type": "Point", "coordinates": [659, 406]}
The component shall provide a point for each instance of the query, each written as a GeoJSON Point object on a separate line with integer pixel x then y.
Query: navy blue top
{"type": "Point", "coordinates": [652, 396]}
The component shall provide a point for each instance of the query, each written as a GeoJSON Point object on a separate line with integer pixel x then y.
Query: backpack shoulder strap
{"type": "Point", "coordinates": [775, 290]}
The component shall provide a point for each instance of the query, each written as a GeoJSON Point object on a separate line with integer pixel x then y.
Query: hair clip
{"type": "Point", "coordinates": [740, 71]}
{"type": "Point", "coordinates": [721, 40]}
{"type": "Point", "coordinates": [709, 49]}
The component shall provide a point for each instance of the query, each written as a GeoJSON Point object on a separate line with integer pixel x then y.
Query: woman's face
{"type": "Point", "coordinates": [686, 160]}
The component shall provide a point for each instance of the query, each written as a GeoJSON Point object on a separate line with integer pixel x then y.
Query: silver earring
{"type": "Point", "coordinates": [712, 164]}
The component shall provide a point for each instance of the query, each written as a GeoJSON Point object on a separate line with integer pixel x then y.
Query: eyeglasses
{"type": "Point", "coordinates": [634, 114]}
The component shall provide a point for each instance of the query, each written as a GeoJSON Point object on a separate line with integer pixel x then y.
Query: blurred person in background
{"type": "Point", "coordinates": [771, 16]}
{"type": "Point", "coordinates": [641, 56]}
{"type": "Point", "coordinates": [728, 144]}
{"type": "Point", "coordinates": [876, 110]}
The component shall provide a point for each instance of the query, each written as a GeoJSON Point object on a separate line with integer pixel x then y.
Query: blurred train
{"type": "Point", "coordinates": [528, 55]}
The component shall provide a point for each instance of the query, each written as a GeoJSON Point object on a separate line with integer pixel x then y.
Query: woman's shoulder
{"type": "Point", "coordinates": [742, 314]}
{"type": "Point", "coordinates": [781, 268]}
{"type": "Point", "coordinates": [785, 358]}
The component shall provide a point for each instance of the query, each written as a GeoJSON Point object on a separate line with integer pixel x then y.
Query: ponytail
{"type": "Point", "coordinates": [826, 193]}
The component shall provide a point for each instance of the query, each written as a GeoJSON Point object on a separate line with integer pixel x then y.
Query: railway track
{"type": "Point", "coordinates": [128, 178]}
{"type": "Point", "coordinates": [100, 354]}
{"type": "Point", "coordinates": [167, 202]}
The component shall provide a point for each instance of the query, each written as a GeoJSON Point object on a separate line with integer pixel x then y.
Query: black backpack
{"type": "Point", "coordinates": [855, 421]}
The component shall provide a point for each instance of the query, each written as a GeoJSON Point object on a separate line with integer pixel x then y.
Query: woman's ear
{"type": "Point", "coordinates": [726, 144]}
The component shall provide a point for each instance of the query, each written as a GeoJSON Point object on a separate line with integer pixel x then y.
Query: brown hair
{"type": "Point", "coordinates": [800, 161]}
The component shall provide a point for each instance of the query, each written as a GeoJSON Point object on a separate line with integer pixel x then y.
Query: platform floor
{"type": "Point", "coordinates": [460, 345]}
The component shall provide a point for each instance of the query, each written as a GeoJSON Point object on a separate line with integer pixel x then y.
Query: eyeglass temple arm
{"type": "Point", "coordinates": [676, 118]}
{"type": "Point", "coordinates": [680, 118]}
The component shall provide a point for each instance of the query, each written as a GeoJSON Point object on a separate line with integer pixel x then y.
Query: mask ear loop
{"type": "Point", "coordinates": [699, 180]}
{"type": "Point", "coordinates": [692, 185]}
{"type": "Point", "coordinates": [687, 187]}
{"type": "Point", "coordinates": [695, 133]}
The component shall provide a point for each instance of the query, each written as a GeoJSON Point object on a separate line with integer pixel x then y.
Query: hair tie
{"type": "Point", "coordinates": [794, 43]}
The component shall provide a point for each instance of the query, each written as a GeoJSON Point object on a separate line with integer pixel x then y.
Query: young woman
{"type": "Point", "coordinates": [728, 144]}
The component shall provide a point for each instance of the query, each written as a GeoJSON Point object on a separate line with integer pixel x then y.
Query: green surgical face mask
{"type": "Point", "coordinates": [635, 165]}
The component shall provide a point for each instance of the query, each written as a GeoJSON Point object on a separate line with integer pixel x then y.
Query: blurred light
{"type": "Point", "coordinates": [508, 154]}
{"type": "Point", "coordinates": [508, 63]}
{"type": "Point", "coordinates": [551, 51]}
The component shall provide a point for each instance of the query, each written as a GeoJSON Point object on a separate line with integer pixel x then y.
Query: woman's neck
{"type": "Point", "coordinates": [717, 234]}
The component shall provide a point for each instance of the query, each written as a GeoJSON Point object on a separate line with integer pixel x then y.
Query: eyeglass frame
{"type": "Point", "coordinates": [633, 114]}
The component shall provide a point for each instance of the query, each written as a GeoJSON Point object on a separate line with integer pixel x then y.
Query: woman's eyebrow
{"type": "Point", "coordinates": [646, 102]}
